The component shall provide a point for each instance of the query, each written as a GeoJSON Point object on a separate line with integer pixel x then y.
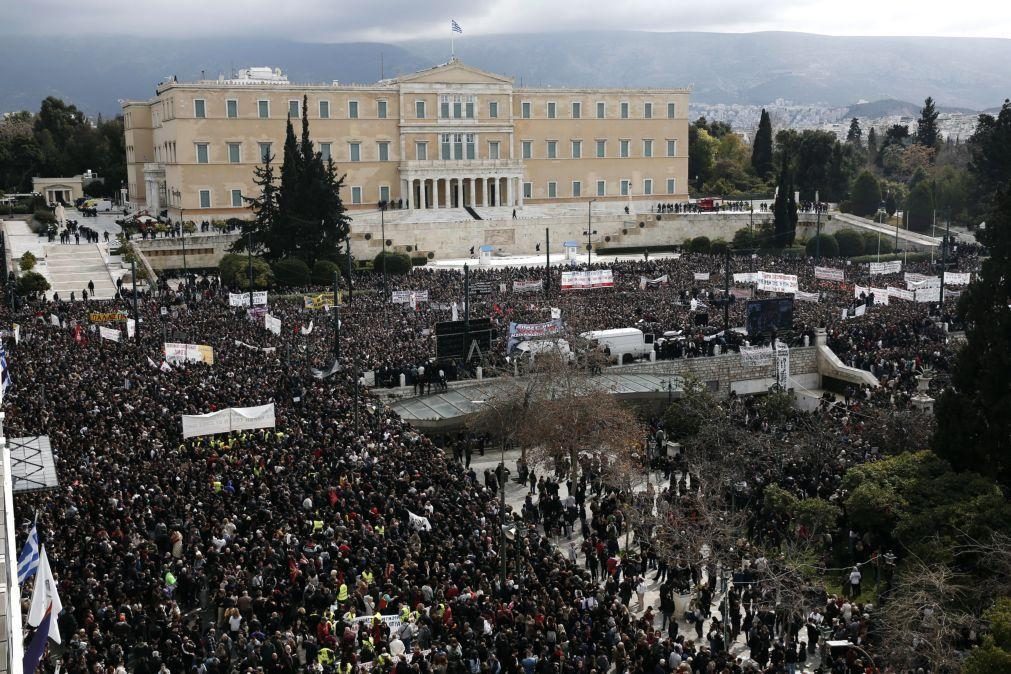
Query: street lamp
{"type": "Point", "coordinates": [502, 490]}
{"type": "Point", "coordinates": [589, 230]}
{"type": "Point", "coordinates": [382, 225]}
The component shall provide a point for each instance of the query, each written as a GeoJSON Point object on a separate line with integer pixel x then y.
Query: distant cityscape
{"type": "Point", "coordinates": [788, 115]}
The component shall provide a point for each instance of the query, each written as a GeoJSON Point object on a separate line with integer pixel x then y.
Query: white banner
{"type": "Point", "coordinates": [265, 349]}
{"type": "Point", "coordinates": [911, 277]}
{"type": "Point", "coordinates": [782, 365]}
{"type": "Point", "coordinates": [308, 330]}
{"type": "Point", "coordinates": [701, 276]}
{"type": "Point", "coordinates": [131, 328]}
{"type": "Point", "coordinates": [754, 356]}
{"type": "Point", "coordinates": [419, 523]}
{"type": "Point", "coordinates": [746, 278]}
{"type": "Point", "coordinates": [860, 290]}
{"type": "Point", "coordinates": [54, 321]}
{"type": "Point", "coordinates": [584, 280]}
{"type": "Point", "coordinates": [271, 323]}
{"type": "Point", "coordinates": [829, 274]}
{"type": "Point", "coordinates": [228, 420]}
{"type": "Point", "coordinates": [880, 295]}
{"type": "Point", "coordinates": [806, 297]}
{"type": "Point", "coordinates": [109, 333]}
{"type": "Point", "coordinates": [956, 278]}
{"type": "Point", "coordinates": [194, 353]}
{"type": "Point", "coordinates": [929, 294]}
{"type": "Point", "coordinates": [777, 283]}
{"type": "Point", "coordinates": [900, 294]}
{"type": "Point", "coordinates": [860, 310]}
{"type": "Point", "coordinates": [527, 286]}
{"type": "Point", "coordinates": [408, 296]}
{"type": "Point", "coordinates": [893, 267]}
{"type": "Point", "coordinates": [652, 283]}
{"type": "Point", "coordinates": [242, 299]}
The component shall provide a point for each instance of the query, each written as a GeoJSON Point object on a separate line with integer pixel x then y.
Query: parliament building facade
{"type": "Point", "coordinates": [447, 137]}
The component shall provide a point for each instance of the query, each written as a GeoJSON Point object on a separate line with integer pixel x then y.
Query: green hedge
{"type": "Point", "coordinates": [850, 242]}
{"type": "Point", "coordinates": [907, 257]}
{"type": "Point", "coordinates": [291, 271]}
{"type": "Point", "coordinates": [397, 264]}
{"type": "Point", "coordinates": [419, 261]}
{"type": "Point", "coordinates": [828, 246]}
{"type": "Point", "coordinates": [634, 250]}
{"type": "Point", "coordinates": [323, 272]}
{"type": "Point", "coordinates": [44, 217]}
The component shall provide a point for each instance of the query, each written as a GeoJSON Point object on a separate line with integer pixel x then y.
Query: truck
{"type": "Point", "coordinates": [621, 344]}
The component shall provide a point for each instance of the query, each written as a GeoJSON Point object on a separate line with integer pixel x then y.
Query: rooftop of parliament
{"type": "Point", "coordinates": [447, 137]}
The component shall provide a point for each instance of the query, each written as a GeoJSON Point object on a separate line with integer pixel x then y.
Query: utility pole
{"type": "Point", "coordinates": [136, 316]}
{"type": "Point", "coordinates": [466, 313]}
{"type": "Point", "coordinates": [351, 287]}
{"type": "Point", "coordinates": [249, 251]}
{"type": "Point", "coordinates": [726, 294]}
{"type": "Point", "coordinates": [336, 320]}
{"type": "Point", "coordinates": [186, 274]}
{"type": "Point", "coordinates": [944, 262]}
{"type": "Point", "coordinates": [382, 225]}
{"type": "Point", "coordinates": [589, 231]}
{"type": "Point", "coordinates": [547, 262]}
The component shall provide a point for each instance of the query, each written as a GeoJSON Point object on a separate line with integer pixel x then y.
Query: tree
{"type": "Point", "coordinates": [920, 205]}
{"type": "Point", "coordinates": [31, 283]}
{"type": "Point", "coordinates": [994, 657]}
{"type": "Point", "coordinates": [974, 415]}
{"type": "Point", "coordinates": [850, 243]}
{"type": "Point", "coordinates": [784, 209]}
{"type": "Point", "coordinates": [397, 264]}
{"type": "Point", "coordinates": [872, 145]}
{"type": "Point", "coordinates": [855, 136]}
{"type": "Point", "coordinates": [927, 133]}
{"type": "Point", "coordinates": [701, 155]}
{"type": "Point", "coordinates": [700, 244]}
{"type": "Point", "coordinates": [323, 271]}
{"type": "Point", "coordinates": [865, 197]}
{"type": "Point", "coordinates": [891, 205]}
{"type": "Point", "coordinates": [265, 226]}
{"type": "Point", "coordinates": [761, 153]}
{"type": "Point", "coordinates": [990, 159]}
{"type": "Point", "coordinates": [27, 261]}
{"type": "Point", "coordinates": [234, 272]}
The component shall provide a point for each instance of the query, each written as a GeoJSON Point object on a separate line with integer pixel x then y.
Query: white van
{"type": "Point", "coordinates": [621, 344]}
{"type": "Point", "coordinates": [536, 347]}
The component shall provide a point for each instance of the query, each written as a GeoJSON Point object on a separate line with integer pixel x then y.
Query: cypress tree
{"type": "Point", "coordinates": [872, 145]}
{"type": "Point", "coordinates": [926, 129]}
{"type": "Point", "coordinates": [761, 152]}
{"type": "Point", "coordinates": [855, 135]}
{"type": "Point", "coordinates": [784, 210]}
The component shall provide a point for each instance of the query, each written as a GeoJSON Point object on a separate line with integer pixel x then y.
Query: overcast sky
{"type": "Point", "coordinates": [388, 20]}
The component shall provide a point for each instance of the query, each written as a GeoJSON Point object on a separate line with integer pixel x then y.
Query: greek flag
{"type": "Point", "coordinates": [28, 560]}
{"type": "Point", "coordinates": [455, 26]}
{"type": "Point", "coordinates": [5, 375]}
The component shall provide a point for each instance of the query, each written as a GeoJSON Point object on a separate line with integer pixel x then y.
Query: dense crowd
{"type": "Point", "coordinates": [343, 540]}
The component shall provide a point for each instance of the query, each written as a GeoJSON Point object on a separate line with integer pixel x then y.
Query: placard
{"type": "Point", "coordinates": [893, 267]}
{"type": "Point", "coordinates": [585, 280]}
{"type": "Point", "coordinates": [320, 300]}
{"type": "Point", "coordinates": [109, 333]}
{"type": "Point", "coordinates": [97, 317]}
{"type": "Point", "coordinates": [527, 286]}
{"type": "Point", "coordinates": [242, 299]}
{"type": "Point", "coordinates": [829, 274]}
{"type": "Point", "coordinates": [193, 353]}
{"type": "Point", "coordinates": [777, 283]}
{"type": "Point", "coordinates": [701, 276]}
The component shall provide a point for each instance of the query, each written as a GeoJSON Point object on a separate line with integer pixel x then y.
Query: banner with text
{"type": "Point", "coordinates": [319, 301]}
{"type": "Point", "coordinates": [900, 294]}
{"type": "Point", "coordinates": [228, 420]}
{"type": "Point", "coordinates": [829, 274]}
{"type": "Point", "coordinates": [586, 280]}
{"type": "Point", "coordinates": [755, 356]}
{"type": "Point", "coordinates": [408, 296]}
{"type": "Point", "coordinates": [527, 286]}
{"type": "Point", "coordinates": [806, 297]}
{"type": "Point", "coordinates": [701, 276]}
{"type": "Point", "coordinates": [956, 278]}
{"type": "Point", "coordinates": [193, 353]}
{"type": "Point", "coordinates": [652, 283]}
{"type": "Point", "coordinates": [96, 317]}
{"type": "Point", "coordinates": [109, 333]}
{"type": "Point", "coordinates": [242, 299]}
{"type": "Point", "coordinates": [272, 323]}
{"type": "Point", "coordinates": [746, 277]}
{"type": "Point", "coordinates": [777, 283]}
{"type": "Point", "coordinates": [893, 267]}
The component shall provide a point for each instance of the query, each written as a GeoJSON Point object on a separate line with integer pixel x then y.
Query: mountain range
{"type": "Point", "coordinates": [94, 71]}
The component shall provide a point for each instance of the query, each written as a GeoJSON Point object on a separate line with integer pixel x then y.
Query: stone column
{"type": "Point", "coordinates": [470, 192]}
{"type": "Point", "coordinates": [509, 191]}
{"type": "Point", "coordinates": [519, 182]}
{"type": "Point", "coordinates": [435, 193]}
{"type": "Point", "coordinates": [484, 201]}
{"type": "Point", "coordinates": [406, 186]}
{"type": "Point", "coordinates": [424, 193]}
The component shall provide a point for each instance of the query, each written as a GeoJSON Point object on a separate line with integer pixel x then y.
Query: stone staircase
{"type": "Point", "coordinates": [70, 267]}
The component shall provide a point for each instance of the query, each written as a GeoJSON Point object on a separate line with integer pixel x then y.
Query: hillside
{"type": "Point", "coordinates": [750, 68]}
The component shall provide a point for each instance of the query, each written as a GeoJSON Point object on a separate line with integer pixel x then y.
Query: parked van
{"type": "Point", "coordinates": [621, 344]}
{"type": "Point", "coordinates": [536, 347]}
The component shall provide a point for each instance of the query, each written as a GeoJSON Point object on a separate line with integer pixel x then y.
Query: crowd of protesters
{"type": "Point", "coordinates": [342, 540]}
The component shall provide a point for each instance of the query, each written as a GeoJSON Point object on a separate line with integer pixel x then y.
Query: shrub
{"type": "Point", "coordinates": [419, 261]}
{"type": "Point", "coordinates": [719, 247]}
{"type": "Point", "coordinates": [794, 252]}
{"type": "Point", "coordinates": [823, 243]}
{"type": "Point", "coordinates": [45, 217]}
{"type": "Point", "coordinates": [291, 272]}
{"type": "Point", "coordinates": [850, 242]}
{"type": "Point", "coordinates": [32, 282]}
{"type": "Point", "coordinates": [323, 271]}
{"type": "Point", "coordinates": [700, 244]}
{"type": "Point", "coordinates": [234, 271]}
{"type": "Point", "coordinates": [744, 239]}
{"type": "Point", "coordinates": [27, 262]}
{"type": "Point", "coordinates": [396, 263]}
{"type": "Point", "coordinates": [871, 243]}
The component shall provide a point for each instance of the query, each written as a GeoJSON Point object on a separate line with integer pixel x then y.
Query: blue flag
{"type": "Point", "coordinates": [28, 560]}
{"type": "Point", "coordinates": [37, 647]}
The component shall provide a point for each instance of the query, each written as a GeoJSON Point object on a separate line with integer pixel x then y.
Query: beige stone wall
{"type": "Point", "coordinates": [139, 147]}
{"type": "Point", "coordinates": [202, 250]}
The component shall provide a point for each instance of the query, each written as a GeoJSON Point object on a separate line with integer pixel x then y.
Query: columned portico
{"type": "Point", "coordinates": [457, 184]}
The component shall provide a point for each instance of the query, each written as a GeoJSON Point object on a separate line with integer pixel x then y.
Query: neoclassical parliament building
{"type": "Point", "coordinates": [448, 137]}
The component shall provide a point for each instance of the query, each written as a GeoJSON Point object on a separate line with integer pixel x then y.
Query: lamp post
{"type": "Point", "coordinates": [589, 230]}
{"type": "Point", "coordinates": [249, 250]}
{"type": "Point", "coordinates": [382, 225]}
{"type": "Point", "coordinates": [502, 490]}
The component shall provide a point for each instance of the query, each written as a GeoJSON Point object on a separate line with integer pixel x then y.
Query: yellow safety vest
{"type": "Point", "coordinates": [367, 577]}
{"type": "Point", "coordinates": [342, 594]}
{"type": "Point", "coordinates": [325, 656]}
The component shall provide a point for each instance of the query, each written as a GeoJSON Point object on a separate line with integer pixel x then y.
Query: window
{"type": "Point", "coordinates": [577, 188]}
{"type": "Point", "coordinates": [324, 109]}
{"type": "Point", "coordinates": [201, 153]}
{"type": "Point", "coordinates": [419, 109]}
{"type": "Point", "coordinates": [601, 188]}
{"type": "Point", "coordinates": [263, 109]}
{"type": "Point", "coordinates": [577, 110]}
{"type": "Point", "coordinates": [352, 109]}
{"type": "Point", "coordinates": [421, 150]}
{"type": "Point", "coordinates": [381, 112]}
{"type": "Point", "coordinates": [647, 147]}
{"type": "Point", "coordinates": [672, 148]}
{"type": "Point", "coordinates": [470, 146]}
{"type": "Point", "coordinates": [355, 151]}
{"type": "Point", "coordinates": [457, 107]}
{"type": "Point", "coordinates": [672, 109]}
{"type": "Point", "coordinates": [384, 193]}
{"type": "Point", "coordinates": [444, 107]}
{"type": "Point", "coordinates": [356, 195]}
{"type": "Point", "coordinates": [624, 109]}
{"type": "Point", "coordinates": [493, 109]}
{"type": "Point", "coordinates": [624, 188]}
{"type": "Point", "coordinates": [236, 198]}
{"type": "Point", "coordinates": [205, 198]}
{"type": "Point", "coordinates": [457, 146]}
{"type": "Point", "coordinates": [293, 109]}
{"type": "Point", "coordinates": [469, 110]}
{"type": "Point", "coordinates": [552, 189]}
{"type": "Point", "coordinates": [551, 110]}
{"type": "Point", "coordinates": [647, 186]}
{"type": "Point", "coordinates": [671, 185]}
{"type": "Point", "coordinates": [601, 149]}
{"type": "Point", "coordinates": [528, 190]}
{"type": "Point", "coordinates": [647, 110]}
{"type": "Point", "coordinates": [527, 149]}
{"type": "Point", "coordinates": [493, 150]}
{"type": "Point", "coordinates": [552, 149]}
{"type": "Point", "coordinates": [623, 148]}
{"type": "Point", "coordinates": [233, 153]}
{"type": "Point", "coordinates": [264, 151]}
{"type": "Point", "coordinates": [325, 151]}
{"type": "Point", "coordinates": [199, 108]}
{"type": "Point", "coordinates": [577, 149]}
{"type": "Point", "coordinates": [525, 110]}
{"type": "Point", "coordinates": [446, 147]}
{"type": "Point", "coordinates": [384, 150]}
{"type": "Point", "coordinates": [232, 108]}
